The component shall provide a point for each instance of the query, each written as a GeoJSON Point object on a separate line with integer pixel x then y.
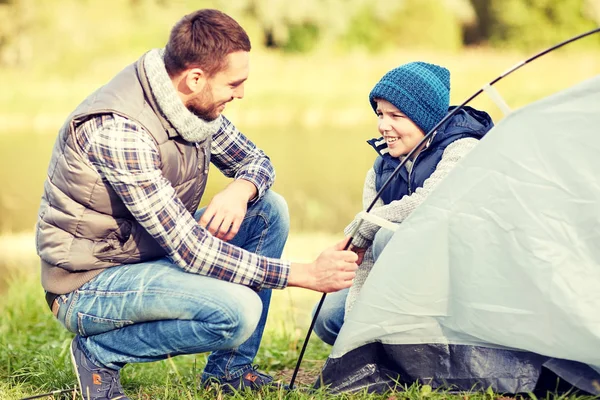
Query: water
{"type": "Point", "coordinates": [320, 172]}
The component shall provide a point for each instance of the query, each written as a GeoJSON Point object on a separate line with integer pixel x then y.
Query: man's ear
{"type": "Point", "coordinates": [195, 79]}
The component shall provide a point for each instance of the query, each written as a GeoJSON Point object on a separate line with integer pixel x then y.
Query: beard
{"type": "Point", "coordinates": [203, 105]}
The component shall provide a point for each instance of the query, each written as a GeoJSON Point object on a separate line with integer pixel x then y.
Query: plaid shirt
{"type": "Point", "coordinates": [128, 159]}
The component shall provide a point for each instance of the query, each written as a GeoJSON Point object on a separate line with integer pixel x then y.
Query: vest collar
{"type": "Point", "coordinates": [143, 78]}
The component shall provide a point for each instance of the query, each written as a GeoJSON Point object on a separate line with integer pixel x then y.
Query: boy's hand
{"type": "Point", "coordinates": [360, 252]}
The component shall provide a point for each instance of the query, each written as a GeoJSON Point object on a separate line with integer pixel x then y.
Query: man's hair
{"type": "Point", "coordinates": [203, 39]}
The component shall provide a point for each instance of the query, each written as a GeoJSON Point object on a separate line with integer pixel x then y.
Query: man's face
{"type": "Point", "coordinates": [221, 88]}
{"type": "Point", "coordinates": [400, 133]}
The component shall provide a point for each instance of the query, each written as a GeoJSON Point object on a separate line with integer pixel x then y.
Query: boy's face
{"type": "Point", "coordinates": [400, 133]}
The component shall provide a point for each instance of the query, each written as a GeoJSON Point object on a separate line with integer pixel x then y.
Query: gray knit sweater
{"type": "Point", "coordinates": [397, 210]}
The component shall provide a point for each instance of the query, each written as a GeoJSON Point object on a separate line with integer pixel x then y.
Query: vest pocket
{"type": "Point", "coordinates": [88, 325]}
{"type": "Point", "coordinates": [113, 248]}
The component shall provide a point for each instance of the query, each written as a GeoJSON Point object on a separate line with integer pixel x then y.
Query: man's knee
{"type": "Point", "coordinates": [277, 209]}
{"type": "Point", "coordinates": [229, 319]}
{"type": "Point", "coordinates": [243, 313]}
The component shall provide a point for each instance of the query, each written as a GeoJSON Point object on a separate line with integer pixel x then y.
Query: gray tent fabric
{"type": "Point", "coordinates": [494, 281]}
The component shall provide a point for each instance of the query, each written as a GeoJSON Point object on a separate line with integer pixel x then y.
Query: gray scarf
{"type": "Point", "coordinates": [188, 125]}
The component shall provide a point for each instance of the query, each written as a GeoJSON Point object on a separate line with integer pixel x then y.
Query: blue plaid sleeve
{"type": "Point", "coordinates": [237, 157]}
{"type": "Point", "coordinates": [128, 159]}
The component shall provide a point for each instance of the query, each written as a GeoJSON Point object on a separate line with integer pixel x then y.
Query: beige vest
{"type": "Point", "coordinates": [83, 227]}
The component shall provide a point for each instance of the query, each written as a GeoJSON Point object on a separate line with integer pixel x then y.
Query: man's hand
{"type": "Point", "coordinates": [226, 211]}
{"type": "Point", "coordinates": [333, 270]}
{"type": "Point", "coordinates": [360, 252]}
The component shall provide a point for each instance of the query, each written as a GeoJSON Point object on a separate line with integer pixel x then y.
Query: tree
{"type": "Point", "coordinates": [532, 24]}
{"type": "Point", "coordinates": [299, 26]}
{"type": "Point", "coordinates": [16, 17]}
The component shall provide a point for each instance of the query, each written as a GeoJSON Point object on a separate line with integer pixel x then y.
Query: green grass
{"type": "Point", "coordinates": [34, 347]}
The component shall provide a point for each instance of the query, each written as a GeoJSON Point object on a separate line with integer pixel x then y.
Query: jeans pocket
{"type": "Point", "coordinates": [65, 301]}
{"type": "Point", "coordinates": [89, 325]}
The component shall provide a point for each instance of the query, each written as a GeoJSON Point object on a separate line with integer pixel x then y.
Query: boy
{"type": "Point", "coordinates": [409, 101]}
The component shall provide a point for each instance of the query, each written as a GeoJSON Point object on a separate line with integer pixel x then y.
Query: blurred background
{"type": "Point", "coordinates": [313, 64]}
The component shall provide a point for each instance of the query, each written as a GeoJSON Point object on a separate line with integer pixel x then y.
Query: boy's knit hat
{"type": "Point", "coordinates": [418, 89]}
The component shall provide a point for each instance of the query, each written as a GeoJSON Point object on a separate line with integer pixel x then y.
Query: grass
{"type": "Point", "coordinates": [34, 347]}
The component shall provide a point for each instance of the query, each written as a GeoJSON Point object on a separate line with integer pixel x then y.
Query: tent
{"type": "Point", "coordinates": [494, 281]}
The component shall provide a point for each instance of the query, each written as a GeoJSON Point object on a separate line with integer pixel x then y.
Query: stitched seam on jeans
{"type": "Point", "coordinates": [263, 233]}
{"type": "Point", "coordinates": [186, 350]}
{"type": "Point", "coordinates": [228, 312]}
{"type": "Point", "coordinates": [229, 360]}
{"type": "Point", "coordinates": [69, 313]}
{"type": "Point", "coordinates": [241, 371]}
{"type": "Point", "coordinates": [81, 316]}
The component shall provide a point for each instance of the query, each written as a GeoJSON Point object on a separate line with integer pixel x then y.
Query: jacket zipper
{"type": "Point", "coordinates": [201, 167]}
{"type": "Point", "coordinates": [414, 164]}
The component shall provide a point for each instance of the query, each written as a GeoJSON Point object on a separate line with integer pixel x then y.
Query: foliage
{"type": "Point", "coordinates": [297, 25]}
{"type": "Point", "coordinates": [425, 24]}
{"type": "Point", "coordinates": [302, 26]}
{"type": "Point", "coordinates": [15, 21]}
{"type": "Point", "coordinates": [30, 26]}
{"type": "Point", "coordinates": [413, 24]}
{"type": "Point", "coordinates": [533, 24]}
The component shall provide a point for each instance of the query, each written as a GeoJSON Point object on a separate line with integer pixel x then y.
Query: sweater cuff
{"type": "Point", "coordinates": [348, 230]}
{"type": "Point", "coordinates": [358, 240]}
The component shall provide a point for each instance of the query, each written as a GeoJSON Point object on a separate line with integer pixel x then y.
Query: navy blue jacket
{"type": "Point", "coordinates": [467, 122]}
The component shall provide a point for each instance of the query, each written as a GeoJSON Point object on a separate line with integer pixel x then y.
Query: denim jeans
{"type": "Point", "coordinates": [331, 317]}
{"type": "Point", "coordinates": [153, 310]}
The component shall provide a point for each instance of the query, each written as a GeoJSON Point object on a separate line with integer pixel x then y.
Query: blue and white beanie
{"type": "Point", "coordinates": [418, 89]}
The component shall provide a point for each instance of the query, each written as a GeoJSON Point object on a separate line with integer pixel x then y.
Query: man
{"type": "Point", "coordinates": [125, 264]}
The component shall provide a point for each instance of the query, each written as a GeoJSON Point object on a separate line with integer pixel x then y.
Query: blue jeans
{"type": "Point", "coordinates": [331, 317]}
{"type": "Point", "coordinates": [153, 310]}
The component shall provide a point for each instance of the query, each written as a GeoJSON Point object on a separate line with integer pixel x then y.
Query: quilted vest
{"type": "Point", "coordinates": [83, 227]}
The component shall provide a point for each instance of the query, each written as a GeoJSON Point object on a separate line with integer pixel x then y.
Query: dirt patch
{"type": "Point", "coordinates": [305, 377]}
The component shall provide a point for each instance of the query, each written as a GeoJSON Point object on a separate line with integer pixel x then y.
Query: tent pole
{"type": "Point", "coordinates": [310, 329]}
